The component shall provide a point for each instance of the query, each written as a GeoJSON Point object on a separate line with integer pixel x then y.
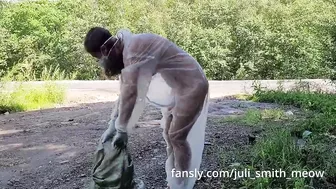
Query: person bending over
{"type": "Point", "coordinates": [153, 69]}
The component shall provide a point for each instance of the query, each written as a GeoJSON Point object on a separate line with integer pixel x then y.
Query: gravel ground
{"type": "Point", "coordinates": [53, 148]}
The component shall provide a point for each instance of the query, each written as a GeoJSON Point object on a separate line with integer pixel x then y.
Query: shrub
{"type": "Point", "coordinates": [232, 39]}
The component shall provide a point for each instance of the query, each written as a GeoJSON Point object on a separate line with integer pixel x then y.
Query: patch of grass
{"type": "Point", "coordinates": [322, 105]}
{"type": "Point", "coordinates": [243, 96]}
{"type": "Point", "coordinates": [319, 102]}
{"type": "Point", "coordinates": [286, 145]}
{"type": "Point", "coordinates": [278, 141]}
{"type": "Point", "coordinates": [27, 73]}
{"type": "Point", "coordinates": [25, 97]}
{"type": "Point", "coordinates": [277, 151]}
{"type": "Point", "coordinates": [255, 117]}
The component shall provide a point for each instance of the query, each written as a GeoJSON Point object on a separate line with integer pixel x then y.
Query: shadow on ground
{"type": "Point", "coordinates": [53, 148]}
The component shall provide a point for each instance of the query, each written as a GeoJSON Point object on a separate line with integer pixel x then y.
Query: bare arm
{"type": "Point", "coordinates": [114, 113]}
{"type": "Point", "coordinates": [115, 109]}
{"type": "Point", "coordinates": [134, 86]}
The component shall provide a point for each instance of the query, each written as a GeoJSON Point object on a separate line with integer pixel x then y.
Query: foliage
{"type": "Point", "coordinates": [233, 39]}
{"type": "Point", "coordinates": [255, 117]}
{"type": "Point", "coordinates": [26, 97]}
{"type": "Point", "coordinates": [286, 145]}
{"type": "Point", "coordinates": [16, 95]}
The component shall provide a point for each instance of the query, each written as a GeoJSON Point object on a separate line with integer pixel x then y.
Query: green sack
{"type": "Point", "coordinates": [113, 168]}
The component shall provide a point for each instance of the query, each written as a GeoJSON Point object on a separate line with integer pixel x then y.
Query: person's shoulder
{"type": "Point", "coordinates": [124, 32]}
{"type": "Point", "coordinates": [129, 36]}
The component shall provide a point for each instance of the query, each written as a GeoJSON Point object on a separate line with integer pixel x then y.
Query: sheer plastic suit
{"type": "Point", "coordinates": [159, 72]}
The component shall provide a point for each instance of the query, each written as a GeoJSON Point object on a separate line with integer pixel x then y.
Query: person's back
{"type": "Point", "coordinates": [177, 67]}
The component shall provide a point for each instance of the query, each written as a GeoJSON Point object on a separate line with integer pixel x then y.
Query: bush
{"type": "Point", "coordinates": [233, 39]}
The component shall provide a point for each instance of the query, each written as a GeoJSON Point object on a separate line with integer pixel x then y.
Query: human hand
{"type": "Point", "coordinates": [120, 140]}
{"type": "Point", "coordinates": [109, 133]}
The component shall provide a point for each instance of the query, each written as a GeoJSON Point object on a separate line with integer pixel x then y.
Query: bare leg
{"type": "Point", "coordinates": [196, 138]}
{"type": "Point", "coordinates": [186, 135]}
{"type": "Point", "coordinates": [165, 124]}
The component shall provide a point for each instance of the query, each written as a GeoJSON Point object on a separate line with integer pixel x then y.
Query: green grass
{"type": "Point", "coordinates": [319, 102]}
{"type": "Point", "coordinates": [323, 107]}
{"type": "Point", "coordinates": [242, 96]}
{"type": "Point", "coordinates": [276, 150]}
{"type": "Point", "coordinates": [25, 97]}
{"type": "Point", "coordinates": [254, 117]}
{"type": "Point", "coordinates": [284, 143]}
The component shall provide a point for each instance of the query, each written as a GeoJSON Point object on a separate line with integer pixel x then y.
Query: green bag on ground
{"type": "Point", "coordinates": [113, 168]}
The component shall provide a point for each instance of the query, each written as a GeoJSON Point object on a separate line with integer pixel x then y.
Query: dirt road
{"type": "Point", "coordinates": [53, 149]}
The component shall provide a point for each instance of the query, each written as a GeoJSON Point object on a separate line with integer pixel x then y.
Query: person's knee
{"type": "Point", "coordinates": [178, 137]}
{"type": "Point", "coordinates": [177, 142]}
